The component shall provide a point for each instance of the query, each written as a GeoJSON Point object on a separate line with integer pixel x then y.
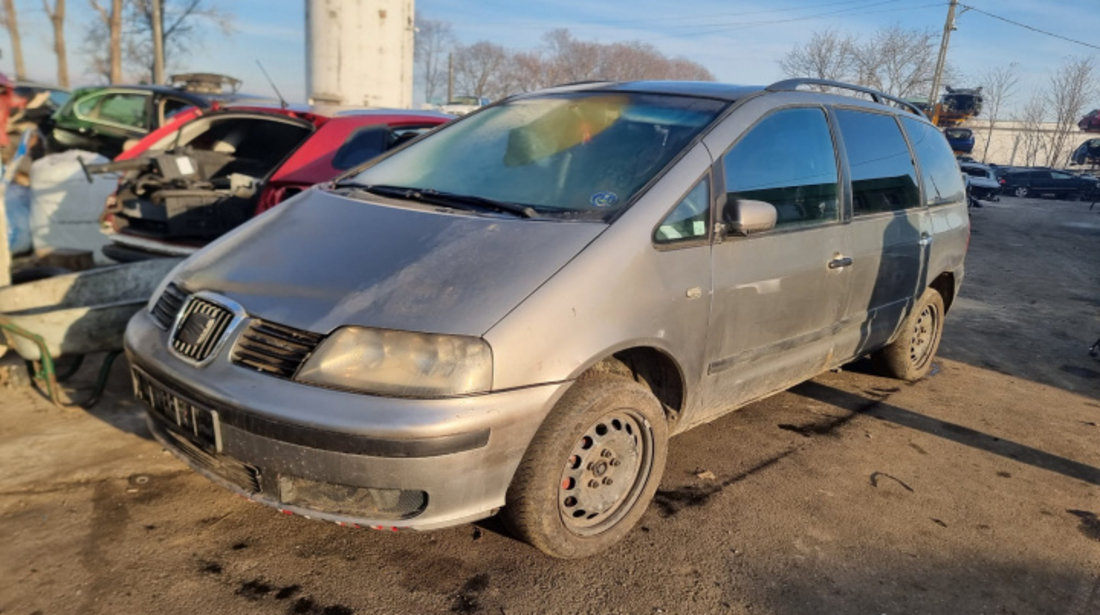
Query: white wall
{"type": "Point", "coordinates": [1007, 143]}
{"type": "Point", "coordinates": [359, 52]}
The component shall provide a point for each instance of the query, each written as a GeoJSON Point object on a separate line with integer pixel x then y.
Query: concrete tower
{"type": "Point", "coordinates": [359, 52]}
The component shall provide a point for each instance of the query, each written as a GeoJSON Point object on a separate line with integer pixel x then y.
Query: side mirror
{"type": "Point", "coordinates": [744, 216]}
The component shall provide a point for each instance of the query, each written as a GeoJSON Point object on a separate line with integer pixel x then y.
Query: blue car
{"type": "Point", "coordinates": [960, 139]}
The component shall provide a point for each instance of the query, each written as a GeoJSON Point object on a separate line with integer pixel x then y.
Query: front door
{"type": "Point", "coordinates": [777, 295]}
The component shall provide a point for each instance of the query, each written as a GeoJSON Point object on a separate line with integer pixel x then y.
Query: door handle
{"type": "Point", "coordinates": [925, 239]}
{"type": "Point", "coordinates": [840, 262]}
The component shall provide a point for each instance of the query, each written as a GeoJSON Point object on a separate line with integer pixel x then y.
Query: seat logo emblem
{"type": "Point", "coordinates": [195, 329]}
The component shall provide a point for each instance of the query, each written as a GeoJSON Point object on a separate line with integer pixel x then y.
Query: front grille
{"type": "Point", "coordinates": [201, 327]}
{"type": "Point", "coordinates": [274, 349]}
{"type": "Point", "coordinates": [168, 305]}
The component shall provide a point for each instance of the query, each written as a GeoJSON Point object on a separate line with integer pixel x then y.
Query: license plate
{"type": "Point", "coordinates": [197, 423]}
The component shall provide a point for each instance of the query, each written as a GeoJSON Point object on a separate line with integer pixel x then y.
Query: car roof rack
{"type": "Point", "coordinates": [877, 96]}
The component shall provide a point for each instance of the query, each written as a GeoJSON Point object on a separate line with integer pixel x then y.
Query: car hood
{"type": "Point", "coordinates": [322, 260]}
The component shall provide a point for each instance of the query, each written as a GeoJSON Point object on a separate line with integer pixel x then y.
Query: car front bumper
{"type": "Point", "coordinates": [335, 455]}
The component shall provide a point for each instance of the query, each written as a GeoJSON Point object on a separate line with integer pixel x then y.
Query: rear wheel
{"type": "Point", "coordinates": [909, 357]}
{"type": "Point", "coordinates": [1021, 191]}
{"type": "Point", "coordinates": [591, 470]}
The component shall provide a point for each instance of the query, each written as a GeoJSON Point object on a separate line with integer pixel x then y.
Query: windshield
{"type": "Point", "coordinates": [574, 153]}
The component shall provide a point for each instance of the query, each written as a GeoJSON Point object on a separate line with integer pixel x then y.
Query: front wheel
{"type": "Point", "coordinates": [909, 357]}
{"type": "Point", "coordinates": [591, 470]}
{"type": "Point", "coordinates": [1021, 191]}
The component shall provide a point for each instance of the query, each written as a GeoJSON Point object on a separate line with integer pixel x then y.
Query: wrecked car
{"type": "Point", "coordinates": [513, 313]}
{"type": "Point", "coordinates": [961, 140]}
{"type": "Point", "coordinates": [183, 188]}
{"type": "Point", "coordinates": [107, 119]}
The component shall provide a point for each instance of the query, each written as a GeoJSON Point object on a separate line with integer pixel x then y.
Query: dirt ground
{"type": "Point", "coordinates": [976, 490]}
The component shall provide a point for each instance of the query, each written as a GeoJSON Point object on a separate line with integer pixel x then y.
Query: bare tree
{"type": "Point", "coordinates": [999, 85]}
{"type": "Point", "coordinates": [183, 21]}
{"type": "Point", "coordinates": [480, 68]}
{"type": "Point", "coordinates": [485, 69]}
{"type": "Point", "coordinates": [434, 39]}
{"type": "Point", "coordinates": [570, 60]}
{"type": "Point", "coordinates": [111, 21]}
{"type": "Point", "coordinates": [895, 60]}
{"type": "Point", "coordinates": [1070, 89]}
{"type": "Point", "coordinates": [12, 24]}
{"type": "Point", "coordinates": [57, 20]}
{"type": "Point", "coordinates": [827, 55]}
{"type": "Point", "coordinates": [898, 61]}
{"type": "Point", "coordinates": [1033, 140]}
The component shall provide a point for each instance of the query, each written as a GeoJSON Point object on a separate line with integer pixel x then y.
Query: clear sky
{"type": "Point", "coordinates": [740, 41]}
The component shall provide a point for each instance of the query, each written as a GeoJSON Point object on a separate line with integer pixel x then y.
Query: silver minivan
{"type": "Point", "coordinates": [514, 312]}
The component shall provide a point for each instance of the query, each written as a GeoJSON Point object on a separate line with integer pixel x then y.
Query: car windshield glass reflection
{"type": "Point", "coordinates": [580, 154]}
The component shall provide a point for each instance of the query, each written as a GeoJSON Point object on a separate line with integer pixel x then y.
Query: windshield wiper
{"type": "Point", "coordinates": [447, 199]}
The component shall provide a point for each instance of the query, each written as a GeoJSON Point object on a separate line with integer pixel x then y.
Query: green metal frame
{"type": "Point", "coordinates": [44, 371]}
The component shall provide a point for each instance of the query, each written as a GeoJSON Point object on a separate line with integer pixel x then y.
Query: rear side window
{"type": "Point", "coordinates": [939, 170]}
{"type": "Point", "coordinates": [883, 177]}
{"type": "Point", "coordinates": [126, 109]}
{"type": "Point", "coordinates": [787, 160]}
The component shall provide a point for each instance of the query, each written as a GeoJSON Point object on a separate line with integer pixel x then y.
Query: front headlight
{"type": "Point", "coordinates": [400, 363]}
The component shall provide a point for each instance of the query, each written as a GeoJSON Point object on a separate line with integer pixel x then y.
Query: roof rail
{"type": "Point", "coordinates": [877, 96]}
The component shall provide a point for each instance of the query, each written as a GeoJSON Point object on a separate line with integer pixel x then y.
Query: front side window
{"type": "Point", "coordinates": [881, 167]}
{"type": "Point", "coordinates": [585, 154]}
{"type": "Point", "coordinates": [787, 160]}
{"type": "Point", "coordinates": [939, 170]}
{"type": "Point", "coordinates": [690, 219]}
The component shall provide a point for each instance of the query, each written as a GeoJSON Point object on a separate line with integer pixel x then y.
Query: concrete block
{"type": "Point", "coordinates": [13, 371]}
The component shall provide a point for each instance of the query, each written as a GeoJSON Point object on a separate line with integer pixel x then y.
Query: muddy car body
{"type": "Point", "coordinates": [517, 310]}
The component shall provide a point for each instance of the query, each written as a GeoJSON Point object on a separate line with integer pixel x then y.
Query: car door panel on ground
{"type": "Point", "coordinates": [776, 299]}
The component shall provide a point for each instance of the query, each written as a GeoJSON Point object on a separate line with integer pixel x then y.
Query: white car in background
{"type": "Point", "coordinates": [461, 105]}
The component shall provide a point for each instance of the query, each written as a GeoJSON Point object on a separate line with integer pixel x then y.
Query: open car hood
{"type": "Point", "coordinates": [321, 260]}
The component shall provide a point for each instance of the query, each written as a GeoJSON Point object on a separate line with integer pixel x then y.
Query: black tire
{"type": "Point", "coordinates": [607, 433]}
{"type": "Point", "coordinates": [1021, 191]}
{"type": "Point", "coordinates": [909, 357]}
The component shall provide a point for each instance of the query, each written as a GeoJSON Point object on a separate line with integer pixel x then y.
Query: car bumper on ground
{"type": "Point", "coordinates": [334, 455]}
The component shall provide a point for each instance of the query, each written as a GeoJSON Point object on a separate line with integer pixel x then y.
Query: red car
{"type": "Point", "coordinates": [208, 171]}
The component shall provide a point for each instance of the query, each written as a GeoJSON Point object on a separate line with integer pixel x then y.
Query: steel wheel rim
{"type": "Point", "coordinates": [923, 341]}
{"type": "Point", "coordinates": [605, 472]}
{"type": "Point", "coordinates": [1021, 192]}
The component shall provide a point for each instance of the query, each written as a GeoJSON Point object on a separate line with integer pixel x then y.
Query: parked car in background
{"type": "Point", "coordinates": [461, 105]}
{"type": "Point", "coordinates": [961, 140]}
{"type": "Point", "coordinates": [188, 185]}
{"type": "Point", "coordinates": [1047, 182]}
{"type": "Point", "coordinates": [1090, 122]}
{"type": "Point", "coordinates": [1087, 153]}
{"type": "Point", "coordinates": [42, 101]}
{"type": "Point", "coordinates": [106, 119]}
{"type": "Point", "coordinates": [981, 180]}
{"type": "Point", "coordinates": [514, 312]}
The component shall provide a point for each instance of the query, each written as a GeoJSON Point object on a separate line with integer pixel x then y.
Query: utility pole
{"type": "Point", "coordinates": [948, 26]}
{"type": "Point", "coordinates": [450, 77]}
{"type": "Point", "coordinates": [158, 42]}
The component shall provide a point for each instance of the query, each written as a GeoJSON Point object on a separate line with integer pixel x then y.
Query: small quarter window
{"type": "Point", "coordinates": [787, 160]}
{"type": "Point", "coordinates": [939, 170]}
{"type": "Point", "coordinates": [690, 219]}
{"type": "Point", "coordinates": [883, 177]}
